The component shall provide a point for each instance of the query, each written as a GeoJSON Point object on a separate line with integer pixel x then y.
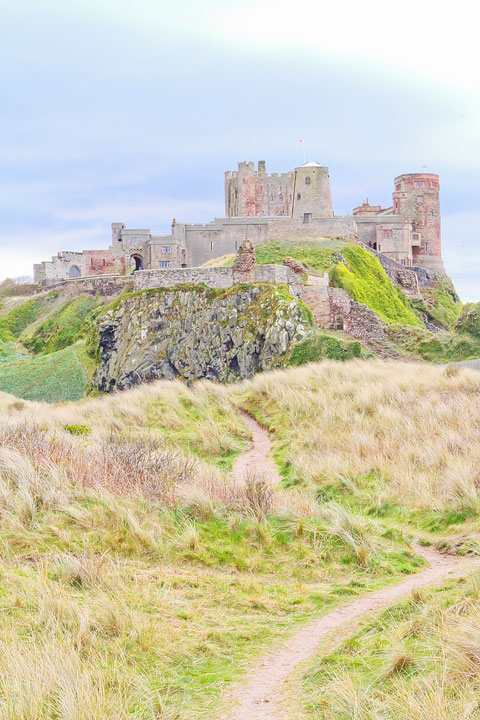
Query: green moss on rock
{"type": "Point", "coordinates": [365, 280]}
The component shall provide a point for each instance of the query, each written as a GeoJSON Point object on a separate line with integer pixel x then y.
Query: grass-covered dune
{"type": "Point", "coordinates": [139, 578]}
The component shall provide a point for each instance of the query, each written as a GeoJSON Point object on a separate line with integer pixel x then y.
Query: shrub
{"type": "Point", "coordinates": [77, 429]}
{"type": "Point", "coordinates": [323, 345]}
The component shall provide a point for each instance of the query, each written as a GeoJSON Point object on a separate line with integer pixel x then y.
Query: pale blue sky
{"type": "Point", "coordinates": [131, 111]}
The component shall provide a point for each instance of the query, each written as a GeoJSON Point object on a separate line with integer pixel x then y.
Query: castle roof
{"type": "Point", "coordinates": [311, 164]}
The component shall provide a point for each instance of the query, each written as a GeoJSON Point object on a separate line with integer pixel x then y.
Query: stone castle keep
{"type": "Point", "coordinates": [261, 207]}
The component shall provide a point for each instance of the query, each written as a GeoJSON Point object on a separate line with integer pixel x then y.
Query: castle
{"type": "Point", "coordinates": [261, 207]}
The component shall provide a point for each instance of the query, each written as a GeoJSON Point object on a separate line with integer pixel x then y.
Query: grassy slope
{"type": "Point", "coordinates": [19, 318]}
{"type": "Point", "coordinates": [469, 321]}
{"type": "Point", "coordinates": [362, 277]}
{"type": "Point", "coordinates": [365, 280]}
{"type": "Point", "coordinates": [147, 579]}
{"type": "Point", "coordinates": [395, 441]}
{"type": "Point", "coordinates": [441, 303]}
{"type": "Point", "coordinates": [11, 351]}
{"type": "Point", "coordinates": [49, 326]}
{"type": "Point", "coordinates": [53, 378]}
{"type": "Point", "coordinates": [438, 347]}
{"type": "Point", "coordinates": [61, 328]}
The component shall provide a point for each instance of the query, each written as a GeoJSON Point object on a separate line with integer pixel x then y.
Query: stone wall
{"type": "Point", "coordinates": [106, 285]}
{"type": "Point", "coordinates": [333, 309]}
{"type": "Point", "coordinates": [214, 277]}
{"type": "Point", "coordinates": [363, 324]}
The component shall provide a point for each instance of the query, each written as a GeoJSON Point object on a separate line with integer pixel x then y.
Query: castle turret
{"type": "Point", "coordinates": [312, 195]}
{"type": "Point", "coordinates": [417, 199]}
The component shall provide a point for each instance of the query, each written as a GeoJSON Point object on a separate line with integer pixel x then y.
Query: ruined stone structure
{"type": "Point", "coordinates": [261, 207]}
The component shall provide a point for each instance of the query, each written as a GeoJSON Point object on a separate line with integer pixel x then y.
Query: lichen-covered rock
{"type": "Point", "coordinates": [196, 332]}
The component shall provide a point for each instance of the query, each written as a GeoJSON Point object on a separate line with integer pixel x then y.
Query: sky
{"type": "Point", "coordinates": [131, 111]}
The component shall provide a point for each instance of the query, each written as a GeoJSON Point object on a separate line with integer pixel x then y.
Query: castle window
{"type": "Point", "coordinates": [260, 197]}
{"type": "Point", "coordinates": [387, 234]}
{"type": "Point", "coordinates": [419, 198]}
{"type": "Point", "coordinates": [299, 196]}
{"type": "Point", "coordinates": [307, 181]}
{"type": "Point", "coordinates": [398, 187]}
{"type": "Point", "coordinates": [262, 213]}
{"type": "Point", "coordinates": [281, 212]}
{"type": "Point", "coordinates": [271, 197]}
{"type": "Point", "coordinates": [419, 183]}
{"type": "Point", "coordinates": [134, 238]}
{"type": "Point", "coordinates": [280, 197]}
{"type": "Point", "coordinates": [164, 264]}
{"type": "Point", "coordinates": [166, 249]}
{"type": "Point", "coordinates": [307, 217]}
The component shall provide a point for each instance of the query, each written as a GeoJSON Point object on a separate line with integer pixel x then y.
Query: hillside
{"type": "Point", "coordinates": [55, 345]}
{"type": "Point", "coordinates": [140, 579]}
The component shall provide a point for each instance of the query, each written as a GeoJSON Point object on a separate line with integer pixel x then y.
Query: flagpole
{"type": "Point", "coordinates": [304, 151]}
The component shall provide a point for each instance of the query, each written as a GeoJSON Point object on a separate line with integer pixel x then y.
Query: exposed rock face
{"type": "Point", "coordinates": [244, 263]}
{"type": "Point", "coordinates": [195, 332]}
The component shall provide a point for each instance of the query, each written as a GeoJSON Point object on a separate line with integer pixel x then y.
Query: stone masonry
{"type": "Point", "coordinates": [244, 264]}
{"type": "Point", "coordinates": [262, 207]}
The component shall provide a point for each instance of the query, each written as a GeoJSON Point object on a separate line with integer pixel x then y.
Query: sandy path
{"type": "Point", "coordinates": [256, 460]}
{"type": "Point", "coordinates": [259, 697]}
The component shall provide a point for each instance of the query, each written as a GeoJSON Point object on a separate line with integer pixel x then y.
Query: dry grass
{"type": "Point", "coordinates": [417, 662]}
{"type": "Point", "coordinates": [414, 429]}
{"type": "Point", "coordinates": [150, 576]}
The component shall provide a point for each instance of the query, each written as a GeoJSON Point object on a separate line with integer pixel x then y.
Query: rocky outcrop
{"type": "Point", "coordinates": [197, 332]}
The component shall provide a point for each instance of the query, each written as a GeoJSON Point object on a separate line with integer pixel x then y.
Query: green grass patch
{"type": "Point", "coordinates": [319, 255]}
{"type": "Point", "coordinates": [51, 378]}
{"type": "Point", "coordinates": [205, 425]}
{"type": "Point", "coordinates": [11, 352]}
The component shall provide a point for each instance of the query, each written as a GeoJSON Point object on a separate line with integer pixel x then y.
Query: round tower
{"type": "Point", "coordinates": [417, 198]}
{"type": "Point", "coordinates": [312, 196]}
